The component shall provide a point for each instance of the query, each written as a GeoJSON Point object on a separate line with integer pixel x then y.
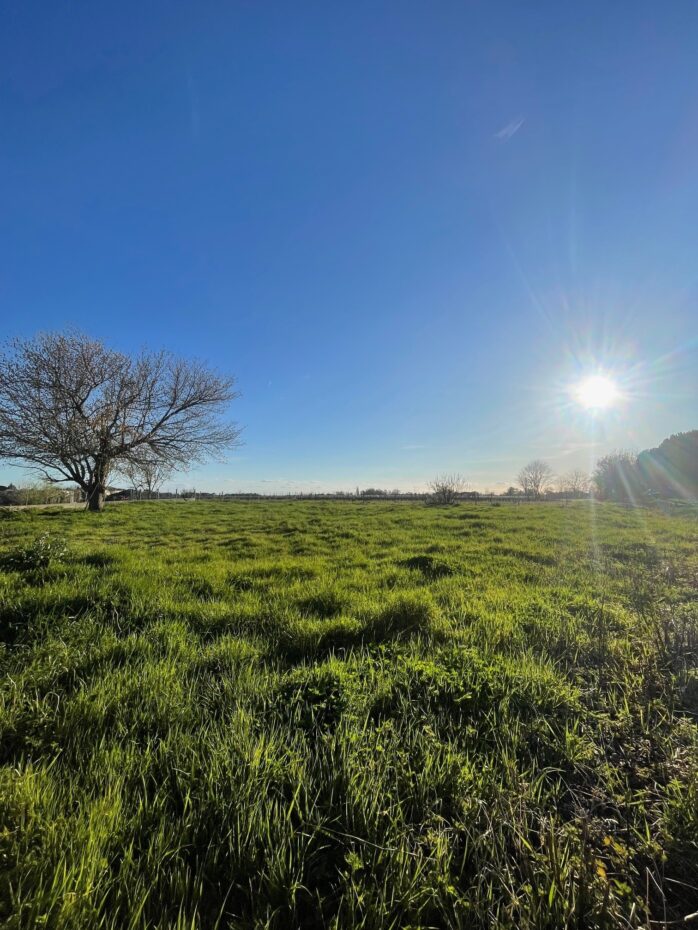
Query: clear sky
{"type": "Point", "coordinates": [406, 227]}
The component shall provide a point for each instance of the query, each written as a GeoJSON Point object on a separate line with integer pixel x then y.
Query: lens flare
{"type": "Point", "coordinates": [597, 392]}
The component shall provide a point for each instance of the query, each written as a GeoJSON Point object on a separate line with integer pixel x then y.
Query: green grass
{"type": "Point", "coordinates": [280, 715]}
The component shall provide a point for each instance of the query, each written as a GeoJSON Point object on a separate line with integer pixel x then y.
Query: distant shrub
{"type": "Point", "coordinates": [446, 489]}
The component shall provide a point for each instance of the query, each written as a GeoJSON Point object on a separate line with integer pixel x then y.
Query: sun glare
{"type": "Point", "coordinates": [596, 392]}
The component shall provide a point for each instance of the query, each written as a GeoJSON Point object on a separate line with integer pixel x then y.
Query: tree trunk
{"type": "Point", "coordinates": [95, 497]}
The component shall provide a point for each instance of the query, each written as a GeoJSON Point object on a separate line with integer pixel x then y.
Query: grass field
{"type": "Point", "coordinates": [348, 715]}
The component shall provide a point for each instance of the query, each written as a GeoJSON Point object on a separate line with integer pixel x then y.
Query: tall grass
{"type": "Point", "coordinates": [321, 715]}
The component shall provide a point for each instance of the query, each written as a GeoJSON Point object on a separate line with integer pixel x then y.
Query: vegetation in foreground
{"type": "Point", "coordinates": [279, 715]}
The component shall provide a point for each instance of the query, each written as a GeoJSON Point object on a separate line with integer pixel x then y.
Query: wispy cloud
{"type": "Point", "coordinates": [412, 447]}
{"type": "Point", "coordinates": [506, 132]}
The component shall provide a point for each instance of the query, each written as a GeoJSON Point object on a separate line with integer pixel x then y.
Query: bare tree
{"type": "Point", "coordinates": [574, 483]}
{"type": "Point", "coordinates": [535, 478]}
{"type": "Point", "coordinates": [147, 475]}
{"type": "Point", "coordinates": [76, 411]}
{"type": "Point", "coordinates": [445, 489]}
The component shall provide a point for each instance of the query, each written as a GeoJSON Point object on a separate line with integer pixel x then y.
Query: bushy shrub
{"type": "Point", "coordinates": [38, 554]}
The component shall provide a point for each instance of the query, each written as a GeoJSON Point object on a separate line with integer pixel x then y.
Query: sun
{"type": "Point", "coordinates": [597, 392]}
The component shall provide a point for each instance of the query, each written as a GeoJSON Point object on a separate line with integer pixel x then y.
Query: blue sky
{"type": "Point", "coordinates": [406, 227]}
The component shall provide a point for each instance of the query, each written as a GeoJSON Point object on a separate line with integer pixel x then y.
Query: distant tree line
{"type": "Point", "coordinates": [668, 471]}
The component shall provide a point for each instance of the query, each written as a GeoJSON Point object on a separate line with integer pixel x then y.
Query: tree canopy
{"type": "Point", "coordinates": [671, 470]}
